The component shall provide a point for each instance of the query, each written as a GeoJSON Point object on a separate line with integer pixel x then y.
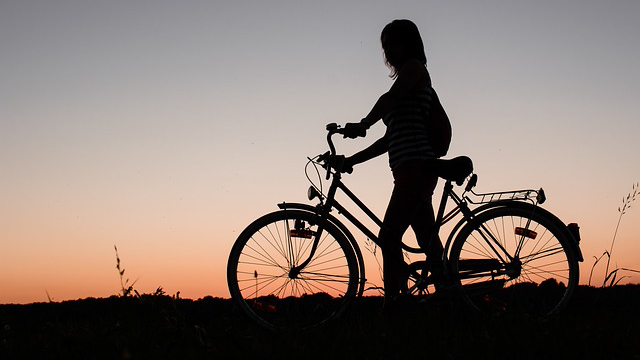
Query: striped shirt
{"type": "Point", "coordinates": [407, 128]}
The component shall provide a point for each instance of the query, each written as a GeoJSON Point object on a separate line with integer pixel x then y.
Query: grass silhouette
{"type": "Point", "coordinates": [126, 288]}
{"type": "Point", "coordinates": [600, 323]}
{"type": "Point", "coordinates": [612, 276]}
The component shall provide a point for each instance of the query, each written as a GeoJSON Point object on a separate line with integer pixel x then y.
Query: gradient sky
{"type": "Point", "coordinates": [165, 127]}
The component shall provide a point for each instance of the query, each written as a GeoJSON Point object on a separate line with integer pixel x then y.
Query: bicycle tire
{"type": "Point", "coordinates": [538, 280]}
{"type": "Point", "coordinates": [258, 271]}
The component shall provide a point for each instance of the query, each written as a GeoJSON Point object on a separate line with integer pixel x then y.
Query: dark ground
{"type": "Point", "coordinates": [598, 324]}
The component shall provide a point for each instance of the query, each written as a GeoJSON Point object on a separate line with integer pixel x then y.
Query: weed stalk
{"type": "Point", "coordinates": [611, 276]}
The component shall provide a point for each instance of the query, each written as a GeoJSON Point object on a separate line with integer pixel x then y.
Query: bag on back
{"type": "Point", "coordinates": [439, 127]}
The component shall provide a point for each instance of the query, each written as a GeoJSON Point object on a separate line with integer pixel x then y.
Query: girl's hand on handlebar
{"type": "Point", "coordinates": [347, 165]}
{"type": "Point", "coordinates": [337, 162]}
{"type": "Point", "coordinates": [341, 163]}
{"type": "Point", "coordinates": [354, 130]}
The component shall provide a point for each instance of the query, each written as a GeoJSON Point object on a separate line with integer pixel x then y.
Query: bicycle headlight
{"type": "Point", "coordinates": [312, 193]}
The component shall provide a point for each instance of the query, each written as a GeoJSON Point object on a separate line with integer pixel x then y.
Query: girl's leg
{"type": "Point", "coordinates": [424, 222]}
{"type": "Point", "coordinates": [413, 187]}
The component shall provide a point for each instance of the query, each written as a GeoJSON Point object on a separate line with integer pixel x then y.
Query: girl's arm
{"type": "Point", "coordinates": [374, 150]}
{"type": "Point", "coordinates": [413, 75]}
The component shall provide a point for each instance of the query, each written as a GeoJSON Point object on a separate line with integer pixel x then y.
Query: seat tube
{"type": "Point", "coordinates": [443, 201]}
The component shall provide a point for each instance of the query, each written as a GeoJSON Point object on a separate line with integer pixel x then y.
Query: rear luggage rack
{"type": "Point", "coordinates": [532, 196]}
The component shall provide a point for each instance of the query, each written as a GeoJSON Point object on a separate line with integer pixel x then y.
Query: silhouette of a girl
{"type": "Point", "coordinates": [404, 109]}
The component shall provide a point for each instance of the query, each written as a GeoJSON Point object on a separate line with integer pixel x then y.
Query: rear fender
{"type": "Point", "coordinates": [571, 235]}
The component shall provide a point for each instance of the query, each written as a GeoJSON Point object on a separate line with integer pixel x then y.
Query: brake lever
{"type": "Point", "coordinates": [324, 158]}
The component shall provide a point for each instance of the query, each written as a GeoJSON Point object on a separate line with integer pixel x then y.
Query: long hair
{"type": "Point", "coordinates": [404, 32]}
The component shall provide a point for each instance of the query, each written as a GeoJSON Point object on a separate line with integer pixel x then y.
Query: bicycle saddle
{"type": "Point", "coordinates": [456, 169]}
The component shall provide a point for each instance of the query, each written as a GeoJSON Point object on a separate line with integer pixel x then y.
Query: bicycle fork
{"type": "Point", "coordinates": [299, 230]}
{"type": "Point", "coordinates": [295, 270]}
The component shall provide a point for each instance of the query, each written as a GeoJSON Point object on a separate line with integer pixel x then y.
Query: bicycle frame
{"type": "Point", "coordinates": [487, 201]}
{"type": "Point", "coordinates": [328, 203]}
{"type": "Point", "coordinates": [331, 203]}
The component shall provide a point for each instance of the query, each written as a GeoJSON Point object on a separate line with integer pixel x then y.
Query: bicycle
{"type": "Point", "coordinates": [300, 266]}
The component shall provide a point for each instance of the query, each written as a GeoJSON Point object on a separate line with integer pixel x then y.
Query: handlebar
{"type": "Point", "coordinates": [332, 129]}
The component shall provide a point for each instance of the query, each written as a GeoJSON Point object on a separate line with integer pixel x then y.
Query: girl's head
{"type": "Point", "coordinates": [401, 41]}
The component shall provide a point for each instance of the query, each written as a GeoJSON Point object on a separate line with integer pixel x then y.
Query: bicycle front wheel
{"type": "Point", "coordinates": [515, 260]}
{"type": "Point", "coordinates": [266, 282]}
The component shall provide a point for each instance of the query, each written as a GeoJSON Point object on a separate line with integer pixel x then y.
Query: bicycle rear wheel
{"type": "Point", "coordinates": [516, 260]}
{"type": "Point", "coordinates": [259, 272]}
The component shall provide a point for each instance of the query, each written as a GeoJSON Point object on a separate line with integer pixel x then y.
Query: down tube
{"type": "Point", "coordinates": [352, 218]}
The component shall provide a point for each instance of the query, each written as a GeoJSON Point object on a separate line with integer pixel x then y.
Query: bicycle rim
{"type": "Point", "coordinates": [259, 278]}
